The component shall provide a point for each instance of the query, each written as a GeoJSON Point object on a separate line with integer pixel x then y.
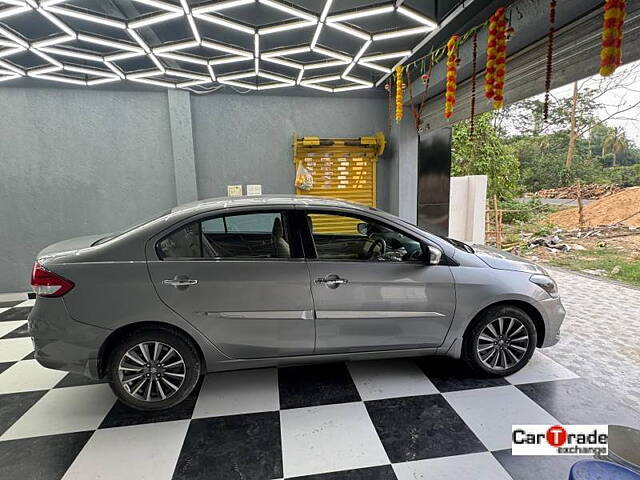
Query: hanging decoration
{"type": "Point", "coordinates": [501, 59]}
{"type": "Point", "coordinates": [399, 93]}
{"type": "Point", "coordinates": [611, 54]}
{"type": "Point", "coordinates": [549, 74]}
{"type": "Point", "coordinates": [452, 73]}
{"type": "Point", "coordinates": [495, 70]}
{"type": "Point", "coordinates": [474, 73]}
{"type": "Point", "coordinates": [492, 44]}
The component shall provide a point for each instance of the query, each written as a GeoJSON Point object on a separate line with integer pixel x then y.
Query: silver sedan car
{"type": "Point", "coordinates": [250, 282]}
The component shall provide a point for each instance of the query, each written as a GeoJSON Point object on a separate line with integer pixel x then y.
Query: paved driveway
{"type": "Point", "coordinates": [600, 338]}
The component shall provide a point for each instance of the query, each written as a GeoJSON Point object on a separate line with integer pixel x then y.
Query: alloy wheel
{"type": "Point", "coordinates": [151, 371]}
{"type": "Point", "coordinates": [503, 343]}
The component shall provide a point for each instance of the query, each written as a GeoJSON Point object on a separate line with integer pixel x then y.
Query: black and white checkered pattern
{"type": "Point", "coordinates": [394, 419]}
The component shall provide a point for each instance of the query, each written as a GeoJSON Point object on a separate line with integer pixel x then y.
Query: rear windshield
{"type": "Point", "coordinates": [130, 228]}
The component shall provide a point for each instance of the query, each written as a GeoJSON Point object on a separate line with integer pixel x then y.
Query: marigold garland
{"type": "Point", "coordinates": [399, 93]}
{"type": "Point", "coordinates": [611, 54]}
{"type": "Point", "coordinates": [501, 58]}
{"type": "Point", "coordinates": [452, 74]}
{"type": "Point", "coordinates": [492, 44]}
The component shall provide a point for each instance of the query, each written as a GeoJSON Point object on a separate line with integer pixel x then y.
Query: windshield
{"type": "Point", "coordinates": [128, 229]}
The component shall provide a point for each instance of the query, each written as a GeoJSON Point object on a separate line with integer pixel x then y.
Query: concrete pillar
{"type": "Point", "coordinates": [182, 146]}
{"type": "Point", "coordinates": [467, 209]}
{"type": "Point", "coordinates": [404, 191]}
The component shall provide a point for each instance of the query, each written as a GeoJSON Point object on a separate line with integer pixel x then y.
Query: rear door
{"type": "Point", "coordinates": [370, 288]}
{"type": "Point", "coordinates": [241, 280]}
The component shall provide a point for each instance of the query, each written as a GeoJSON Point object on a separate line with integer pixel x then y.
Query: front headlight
{"type": "Point", "coordinates": [546, 283]}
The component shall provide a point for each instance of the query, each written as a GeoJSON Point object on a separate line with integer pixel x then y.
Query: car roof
{"type": "Point", "coordinates": [265, 200]}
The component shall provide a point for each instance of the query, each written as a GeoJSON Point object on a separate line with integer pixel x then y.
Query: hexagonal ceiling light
{"type": "Point", "coordinates": [86, 47]}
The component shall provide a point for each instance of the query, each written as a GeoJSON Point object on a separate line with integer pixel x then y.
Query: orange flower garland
{"type": "Point", "coordinates": [490, 69]}
{"type": "Point", "coordinates": [611, 54]}
{"type": "Point", "coordinates": [501, 59]}
{"type": "Point", "coordinates": [399, 93]}
{"type": "Point", "coordinates": [452, 74]}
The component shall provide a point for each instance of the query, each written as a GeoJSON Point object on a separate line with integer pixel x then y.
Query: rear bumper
{"type": "Point", "coordinates": [62, 343]}
{"type": "Point", "coordinates": [553, 313]}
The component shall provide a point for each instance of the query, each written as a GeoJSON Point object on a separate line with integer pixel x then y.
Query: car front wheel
{"type": "Point", "coordinates": [500, 342]}
{"type": "Point", "coordinates": [153, 369]}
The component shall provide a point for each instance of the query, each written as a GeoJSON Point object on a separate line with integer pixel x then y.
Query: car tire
{"type": "Point", "coordinates": [499, 342]}
{"type": "Point", "coordinates": [171, 372]}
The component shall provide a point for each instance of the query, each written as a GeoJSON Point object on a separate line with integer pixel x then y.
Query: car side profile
{"type": "Point", "coordinates": [249, 282]}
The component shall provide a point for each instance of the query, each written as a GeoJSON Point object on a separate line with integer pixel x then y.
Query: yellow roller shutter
{"type": "Point", "coordinates": [343, 169]}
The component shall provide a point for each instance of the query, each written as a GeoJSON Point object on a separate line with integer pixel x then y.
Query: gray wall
{"type": "Point", "coordinates": [243, 139]}
{"type": "Point", "coordinates": [77, 161]}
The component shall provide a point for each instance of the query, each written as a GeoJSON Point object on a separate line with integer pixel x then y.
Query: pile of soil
{"type": "Point", "coordinates": [590, 192]}
{"type": "Point", "coordinates": [622, 207]}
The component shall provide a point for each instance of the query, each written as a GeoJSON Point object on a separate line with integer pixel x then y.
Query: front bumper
{"type": "Point", "coordinates": [553, 314]}
{"type": "Point", "coordinates": [62, 343]}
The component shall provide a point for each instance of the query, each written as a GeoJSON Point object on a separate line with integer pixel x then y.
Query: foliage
{"type": "Point", "coordinates": [523, 212]}
{"type": "Point", "coordinates": [491, 155]}
{"type": "Point", "coordinates": [627, 176]}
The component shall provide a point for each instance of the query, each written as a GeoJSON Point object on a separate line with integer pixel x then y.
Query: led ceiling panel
{"type": "Point", "coordinates": [204, 46]}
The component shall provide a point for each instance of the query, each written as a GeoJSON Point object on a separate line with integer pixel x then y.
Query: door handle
{"type": "Point", "coordinates": [179, 282]}
{"type": "Point", "coordinates": [331, 281]}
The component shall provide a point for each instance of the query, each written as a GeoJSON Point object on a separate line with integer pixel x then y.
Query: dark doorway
{"type": "Point", "coordinates": [434, 174]}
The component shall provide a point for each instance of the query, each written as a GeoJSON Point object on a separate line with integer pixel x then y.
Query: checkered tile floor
{"type": "Point", "coordinates": [401, 419]}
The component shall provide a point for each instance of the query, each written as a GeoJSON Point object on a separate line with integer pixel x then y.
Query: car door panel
{"type": "Point", "coordinates": [383, 306]}
{"type": "Point", "coordinates": [248, 309]}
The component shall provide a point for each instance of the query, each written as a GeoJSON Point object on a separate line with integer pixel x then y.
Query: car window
{"type": "Point", "coordinates": [252, 235]}
{"type": "Point", "coordinates": [344, 237]}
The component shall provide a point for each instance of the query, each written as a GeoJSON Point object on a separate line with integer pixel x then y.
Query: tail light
{"type": "Point", "coordinates": [48, 284]}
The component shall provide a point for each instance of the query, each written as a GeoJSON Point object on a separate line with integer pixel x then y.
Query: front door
{"type": "Point", "coordinates": [372, 290]}
{"type": "Point", "coordinates": [239, 280]}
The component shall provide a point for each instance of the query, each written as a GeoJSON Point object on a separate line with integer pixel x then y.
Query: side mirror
{"type": "Point", "coordinates": [433, 255]}
{"type": "Point", "coordinates": [363, 228]}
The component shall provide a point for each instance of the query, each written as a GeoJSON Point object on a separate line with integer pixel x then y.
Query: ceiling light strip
{"type": "Point", "coordinates": [351, 31]}
{"type": "Point", "coordinates": [226, 60]}
{"type": "Point", "coordinates": [11, 11]}
{"type": "Point", "coordinates": [226, 49]}
{"type": "Point", "coordinates": [184, 58]}
{"type": "Point", "coordinates": [285, 27]}
{"type": "Point", "coordinates": [286, 51]}
{"type": "Point", "coordinates": [115, 69]}
{"type": "Point", "coordinates": [56, 78]}
{"type": "Point", "coordinates": [46, 57]}
{"type": "Point", "coordinates": [64, 52]}
{"type": "Point", "coordinates": [219, 6]}
{"type": "Point", "coordinates": [318, 87]}
{"type": "Point", "coordinates": [290, 10]}
{"type": "Point", "coordinates": [412, 14]}
{"type": "Point", "coordinates": [12, 36]}
{"type": "Point", "coordinates": [286, 63]}
{"type": "Point", "coordinates": [159, 4]}
{"type": "Point", "coordinates": [236, 76]}
{"type": "Point", "coordinates": [329, 64]}
{"type": "Point", "coordinates": [43, 70]}
{"type": "Point", "coordinates": [100, 81]}
{"type": "Point", "coordinates": [331, 53]}
{"type": "Point", "coordinates": [156, 61]}
{"type": "Point", "coordinates": [175, 46]}
{"type": "Point", "coordinates": [386, 56]}
{"type": "Point", "coordinates": [212, 74]}
{"type": "Point", "coordinates": [183, 74]}
{"type": "Point", "coordinates": [123, 56]}
{"type": "Point", "coordinates": [401, 33]}
{"type": "Point", "coordinates": [277, 78]}
{"type": "Point", "coordinates": [58, 23]}
{"type": "Point", "coordinates": [87, 17]}
{"type": "Point", "coordinates": [153, 19]}
{"type": "Point", "coordinates": [225, 23]}
{"type": "Point", "coordinates": [52, 41]}
{"type": "Point", "coordinates": [10, 66]}
{"type": "Point", "coordinates": [374, 66]}
{"type": "Point", "coordinates": [157, 83]}
{"type": "Point", "coordinates": [109, 43]}
{"type": "Point", "coordinates": [11, 51]}
{"type": "Point", "coordinates": [89, 71]}
{"type": "Point", "coordinates": [271, 86]}
{"type": "Point", "coordinates": [313, 81]}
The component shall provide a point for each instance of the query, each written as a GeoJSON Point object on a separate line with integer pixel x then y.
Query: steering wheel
{"type": "Point", "coordinates": [377, 246]}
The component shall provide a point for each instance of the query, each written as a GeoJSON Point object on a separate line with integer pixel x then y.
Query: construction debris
{"type": "Point", "coordinates": [588, 192]}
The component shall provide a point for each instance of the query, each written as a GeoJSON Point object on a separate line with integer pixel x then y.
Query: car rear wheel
{"type": "Point", "coordinates": [153, 369]}
{"type": "Point", "coordinates": [500, 342]}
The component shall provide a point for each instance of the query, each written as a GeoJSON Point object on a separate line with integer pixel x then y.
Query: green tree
{"type": "Point", "coordinates": [489, 155]}
{"type": "Point", "coordinates": [616, 143]}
